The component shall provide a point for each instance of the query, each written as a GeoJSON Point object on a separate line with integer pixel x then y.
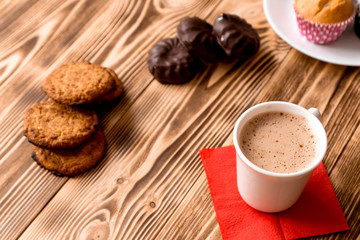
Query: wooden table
{"type": "Point", "coordinates": [152, 184]}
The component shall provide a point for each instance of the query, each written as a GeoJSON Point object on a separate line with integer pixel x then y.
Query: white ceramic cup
{"type": "Point", "coordinates": [269, 191]}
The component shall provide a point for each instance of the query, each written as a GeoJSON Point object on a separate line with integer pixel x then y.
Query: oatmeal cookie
{"type": "Point", "coordinates": [79, 83]}
{"type": "Point", "coordinates": [58, 126]}
{"type": "Point", "coordinates": [72, 162]}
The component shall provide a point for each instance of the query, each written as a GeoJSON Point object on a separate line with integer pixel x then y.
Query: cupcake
{"type": "Point", "coordinates": [323, 21]}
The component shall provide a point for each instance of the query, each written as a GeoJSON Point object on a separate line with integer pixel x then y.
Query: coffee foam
{"type": "Point", "coordinates": [279, 142]}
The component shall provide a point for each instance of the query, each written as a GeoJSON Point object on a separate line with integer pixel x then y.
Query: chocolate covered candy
{"type": "Point", "coordinates": [196, 35]}
{"type": "Point", "coordinates": [236, 36]}
{"type": "Point", "coordinates": [170, 62]}
{"type": "Point", "coordinates": [357, 21]}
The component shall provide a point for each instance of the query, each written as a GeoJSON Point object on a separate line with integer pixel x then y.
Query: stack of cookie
{"type": "Point", "coordinates": [66, 137]}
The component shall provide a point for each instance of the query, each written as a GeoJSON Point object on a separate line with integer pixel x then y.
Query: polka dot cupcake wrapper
{"type": "Point", "coordinates": [321, 33]}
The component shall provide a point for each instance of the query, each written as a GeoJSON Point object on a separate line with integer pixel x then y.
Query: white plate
{"type": "Point", "coordinates": [344, 51]}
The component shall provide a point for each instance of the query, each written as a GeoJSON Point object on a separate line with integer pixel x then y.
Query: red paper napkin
{"type": "Point", "coordinates": [317, 211]}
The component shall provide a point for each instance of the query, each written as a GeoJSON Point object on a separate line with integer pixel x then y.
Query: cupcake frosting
{"type": "Point", "coordinates": [325, 11]}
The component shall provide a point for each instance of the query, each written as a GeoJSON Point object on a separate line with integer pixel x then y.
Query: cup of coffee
{"type": "Point", "coordinates": [278, 146]}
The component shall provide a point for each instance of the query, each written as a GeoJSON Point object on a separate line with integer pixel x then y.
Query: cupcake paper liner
{"type": "Point", "coordinates": [321, 33]}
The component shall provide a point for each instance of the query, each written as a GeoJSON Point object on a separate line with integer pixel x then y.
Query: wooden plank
{"type": "Point", "coordinates": [342, 159]}
{"type": "Point", "coordinates": [64, 33]}
{"type": "Point", "coordinates": [151, 184]}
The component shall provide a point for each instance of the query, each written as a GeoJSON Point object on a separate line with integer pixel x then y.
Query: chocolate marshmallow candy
{"type": "Point", "coordinates": [236, 36]}
{"type": "Point", "coordinates": [196, 35]}
{"type": "Point", "coordinates": [170, 62]}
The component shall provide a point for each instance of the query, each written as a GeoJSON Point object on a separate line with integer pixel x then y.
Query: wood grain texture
{"type": "Point", "coordinates": [152, 185]}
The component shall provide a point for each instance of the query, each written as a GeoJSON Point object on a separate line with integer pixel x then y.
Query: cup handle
{"type": "Point", "coordinates": [315, 112]}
